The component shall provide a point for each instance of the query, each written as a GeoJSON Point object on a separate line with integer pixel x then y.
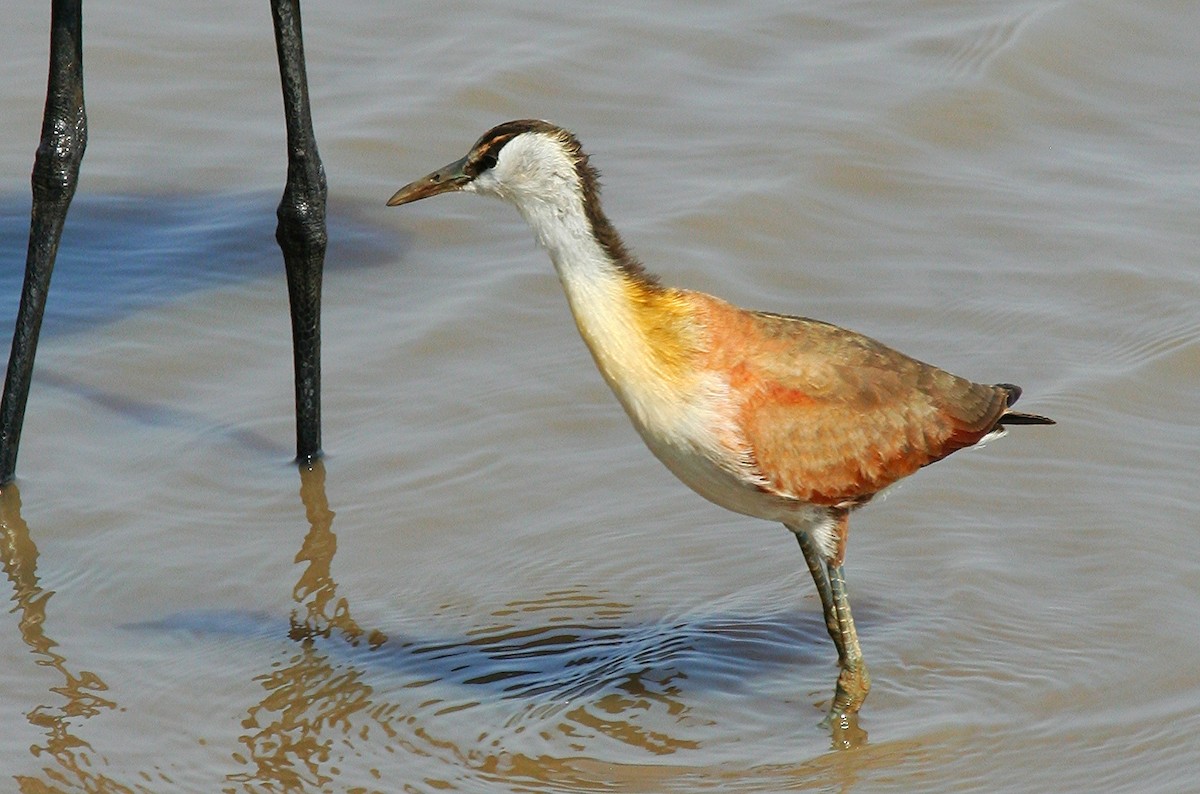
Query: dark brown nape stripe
{"type": "Point", "coordinates": [602, 229]}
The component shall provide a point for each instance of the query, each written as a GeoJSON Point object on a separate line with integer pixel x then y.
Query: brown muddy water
{"type": "Point", "coordinates": [490, 585]}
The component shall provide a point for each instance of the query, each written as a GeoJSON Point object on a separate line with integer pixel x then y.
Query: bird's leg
{"type": "Point", "coordinates": [301, 231]}
{"type": "Point", "coordinates": [55, 175]}
{"type": "Point", "coordinates": [816, 566]}
{"type": "Point", "coordinates": [853, 682]}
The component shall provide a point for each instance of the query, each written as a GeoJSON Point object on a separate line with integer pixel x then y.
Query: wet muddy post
{"type": "Point", "coordinates": [301, 231]}
{"type": "Point", "coordinates": [55, 175]}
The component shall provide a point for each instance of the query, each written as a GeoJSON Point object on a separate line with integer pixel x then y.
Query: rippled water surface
{"type": "Point", "coordinates": [489, 584]}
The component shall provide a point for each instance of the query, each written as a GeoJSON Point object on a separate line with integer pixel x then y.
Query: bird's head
{"type": "Point", "coordinates": [523, 161]}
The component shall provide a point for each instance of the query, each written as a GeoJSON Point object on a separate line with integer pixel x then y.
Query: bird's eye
{"type": "Point", "coordinates": [486, 161]}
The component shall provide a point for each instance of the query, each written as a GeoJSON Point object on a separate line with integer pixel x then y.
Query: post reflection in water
{"type": "Point", "coordinates": [78, 697]}
{"type": "Point", "coordinates": [319, 713]}
{"type": "Point", "coordinates": [316, 591]}
{"type": "Point", "coordinates": [309, 698]}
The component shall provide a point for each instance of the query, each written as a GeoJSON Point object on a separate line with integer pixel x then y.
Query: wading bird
{"type": "Point", "coordinates": [777, 417]}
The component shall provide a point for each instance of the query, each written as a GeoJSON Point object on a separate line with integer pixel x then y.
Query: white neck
{"type": "Point", "coordinates": [536, 175]}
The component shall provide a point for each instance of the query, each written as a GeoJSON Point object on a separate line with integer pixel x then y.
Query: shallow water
{"type": "Point", "coordinates": [490, 585]}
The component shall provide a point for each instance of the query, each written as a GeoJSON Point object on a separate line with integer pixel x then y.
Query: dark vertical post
{"type": "Point", "coordinates": [55, 175]}
{"type": "Point", "coordinates": [301, 231]}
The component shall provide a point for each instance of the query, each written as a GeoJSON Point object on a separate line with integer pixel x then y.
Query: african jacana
{"type": "Point", "coordinates": [779, 417]}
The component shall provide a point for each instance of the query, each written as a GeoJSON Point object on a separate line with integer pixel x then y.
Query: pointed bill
{"type": "Point", "coordinates": [443, 180]}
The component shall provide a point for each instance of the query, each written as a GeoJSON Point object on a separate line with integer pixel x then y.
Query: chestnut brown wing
{"type": "Point", "coordinates": [832, 417]}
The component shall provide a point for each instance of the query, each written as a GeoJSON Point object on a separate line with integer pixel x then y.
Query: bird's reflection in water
{"type": "Point", "coordinates": [79, 696]}
{"type": "Point", "coordinates": [320, 690]}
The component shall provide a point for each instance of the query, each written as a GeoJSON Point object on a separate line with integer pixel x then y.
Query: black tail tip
{"type": "Point", "coordinates": [1015, 418]}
